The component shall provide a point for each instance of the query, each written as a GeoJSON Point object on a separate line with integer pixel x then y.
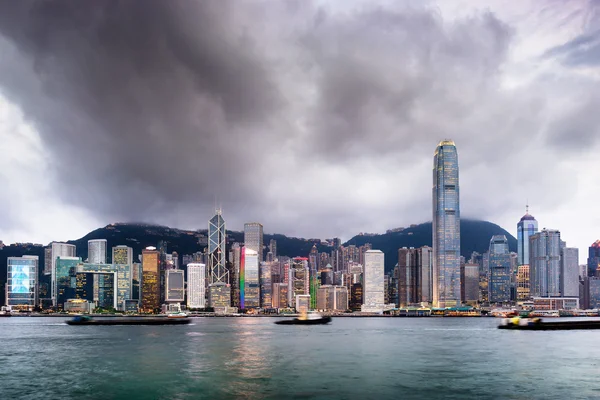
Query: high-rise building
{"type": "Point", "coordinates": [526, 227]}
{"type": "Point", "coordinates": [594, 258]}
{"type": "Point", "coordinates": [446, 226]}
{"type": "Point", "coordinates": [175, 287]}
{"type": "Point", "coordinates": [235, 256]}
{"type": "Point", "coordinates": [217, 237]}
{"type": "Point", "coordinates": [97, 251]}
{"type": "Point", "coordinates": [471, 283]}
{"type": "Point", "coordinates": [499, 270]}
{"type": "Point", "coordinates": [253, 238]}
{"type": "Point", "coordinates": [409, 284]}
{"type": "Point", "coordinates": [544, 263]}
{"type": "Point", "coordinates": [425, 258]}
{"type": "Point", "coordinates": [122, 255]}
{"type": "Point", "coordinates": [64, 268]}
{"type": "Point", "coordinates": [273, 247]}
{"type": "Point", "coordinates": [523, 283]}
{"type": "Point", "coordinates": [136, 280]}
{"type": "Point", "coordinates": [373, 286]}
{"type": "Point", "coordinates": [249, 279]}
{"type": "Point", "coordinates": [266, 284]}
{"type": "Point", "coordinates": [219, 295]}
{"type": "Point", "coordinates": [57, 249]}
{"type": "Point", "coordinates": [332, 298]}
{"type": "Point", "coordinates": [299, 278]}
{"type": "Point", "coordinates": [150, 301]}
{"type": "Point", "coordinates": [22, 282]}
{"type": "Point", "coordinates": [196, 294]}
{"type": "Point", "coordinates": [569, 276]}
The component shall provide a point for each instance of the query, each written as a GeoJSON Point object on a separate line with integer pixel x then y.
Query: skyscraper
{"type": "Point", "coordinates": [97, 251]}
{"type": "Point", "coordinates": [122, 255]}
{"type": "Point", "coordinates": [299, 279]}
{"type": "Point", "coordinates": [593, 258]}
{"type": "Point", "coordinates": [373, 288]}
{"type": "Point", "coordinates": [446, 226]}
{"type": "Point", "coordinates": [174, 288]}
{"type": "Point", "coordinates": [150, 280]}
{"type": "Point", "coordinates": [22, 282]}
{"type": "Point", "coordinates": [253, 238]}
{"type": "Point", "coordinates": [409, 292]}
{"type": "Point", "coordinates": [499, 270]}
{"type": "Point", "coordinates": [544, 263]}
{"type": "Point", "coordinates": [57, 249]}
{"type": "Point", "coordinates": [426, 273]}
{"type": "Point", "coordinates": [216, 249]}
{"type": "Point", "coordinates": [569, 274]}
{"type": "Point", "coordinates": [196, 295]}
{"type": "Point", "coordinates": [526, 227]}
{"type": "Point", "coordinates": [249, 279]}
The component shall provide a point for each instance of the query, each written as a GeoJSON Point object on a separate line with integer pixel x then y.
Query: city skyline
{"type": "Point", "coordinates": [336, 152]}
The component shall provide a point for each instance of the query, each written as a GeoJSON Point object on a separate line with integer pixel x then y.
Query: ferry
{"type": "Point", "coordinates": [536, 324]}
{"type": "Point", "coordinates": [306, 319]}
{"type": "Point", "coordinates": [86, 320]}
{"type": "Point", "coordinates": [545, 313]}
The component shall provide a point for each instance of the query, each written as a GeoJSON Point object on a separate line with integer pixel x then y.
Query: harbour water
{"type": "Point", "coordinates": [352, 358]}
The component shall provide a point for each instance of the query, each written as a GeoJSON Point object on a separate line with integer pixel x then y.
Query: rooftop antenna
{"type": "Point", "coordinates": [527, 207]}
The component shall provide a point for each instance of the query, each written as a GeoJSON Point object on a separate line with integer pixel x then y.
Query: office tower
{"type": "Point", "coordinates": [327, 276]}
{"type": "Point", "coordinates": [174, 285]}
{"type": "Point", "coordinates": [332, 298]}
{"type": "Point", "coordinates": [253, 238]}
{"type": "Point", "coordinates": [57, 249]}
{"type": "Point", "coordinates": [299, 279]}
{"type": "Point", "coordinates": [408, 277]}
{"type": "Point", "coordinates": [266, 285]}
{"type": "Point", "coordinates": [113, 283]}
{"type": "Point", "coordinates": [446, 226]}
{"type": "Point", "coordinates": [219, 295]}
{"type": "Point", "coordinates": [175, 259]}
{"type": "Point", "coordinates": [373, 281]}
{"type": "Point", "coordinates": [273, 247]}
{"type": "Point", "coordinates": [499, 270]}
{"type": "Point", "coordinates": [471, 283]}
{"type": "Point", "coordinates": [122, 255]}
{"type": "Point", "coordinates": [425, 259]}
{"type": "Point", "coordinates": [136, 280]}
{"type": "Point", "coordinates": [235, 256]}
{"type": "Point", "coordinates": [523, 282]}
{"type": "Point", "coordinates": [280, 295]}
{"type": "Point", "coordinates": [97, 251]}
{"type": "Point", "coordinates": [196, 295]}
{"type": "Point", "coordinates": [64, 268]}
{"type": "Point", "coordinates": [151, 295]}
{"type": "Point", "coordinates": [249, 279]}
{"type": "Point", "coordinates": [594, 258]}
{"type": "Point", "coordinates": [217, 237]}
{"type": "Point", "coordinates": [569, 276]}
{"type": "Point", "coordinates": [526, 227]}
{"type": "Point", "coordinates": [302, 302]}
{"type": "Point", "coordinates": [544, 263]}
{"type": "Point", "coordinates": [22, 282]}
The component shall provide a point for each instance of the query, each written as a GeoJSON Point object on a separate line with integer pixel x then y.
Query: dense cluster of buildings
{"type": "Point", "coordinates": [252, 277]}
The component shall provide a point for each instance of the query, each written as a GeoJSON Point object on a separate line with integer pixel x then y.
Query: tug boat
{"type": "Point", "coordinates": [306, 319]}
{"type": "Point", "coordinates": [536, 324]}
{"type": "Point", "coordinates": [86, 320]}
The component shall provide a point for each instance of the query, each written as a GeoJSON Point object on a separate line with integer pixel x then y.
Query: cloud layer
{"type": "Point", "coordinates": [315, 119]}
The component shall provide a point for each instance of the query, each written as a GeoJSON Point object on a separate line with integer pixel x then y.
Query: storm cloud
{"type": "Point", "coordinates": [315, 118]}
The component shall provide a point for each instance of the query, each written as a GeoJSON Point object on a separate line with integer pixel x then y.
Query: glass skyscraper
{"type": "Point", "coordinates": [22, 282]}
{"type": "Point", "coordinates": [373, 289]}
{"type": "Point", "coordinates": [216, 249]}
{"type": "Point", "coordinates": [446, 226]}
{"type": "Point", "coordinates": [253, 238]}
{"type": "Point", "coordinates": [499, 270]}
{"type": "Point", "coordinates": [544, 266]}
{"type": "Point", "coordinates": [526, 227]}
{"type": "Point", "coordinates": [97, 251]}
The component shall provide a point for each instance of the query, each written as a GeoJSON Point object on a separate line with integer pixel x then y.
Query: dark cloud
{"type": "Point", "coordinates": [313, 121]}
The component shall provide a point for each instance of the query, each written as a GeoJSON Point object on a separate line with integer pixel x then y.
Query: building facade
{"type": "Point", "coordinates": [409, 282]}
{"type": "Point", "coordinates": [217, 238]}
{"type": "Point", "coordinates": [544, 263]}
{"type": "Point", "coordinates": [97, 251]}
{"type": "Point", "coordinates": [122, 255]}
{"type": "Point", "coordinates": [150, 301]}
{"type": "Point", "coordinates": [175, 286]}
{"type": "Point", "coordinates": [22, 282]}
{"type": "Point", "coordinates": [253, 238]}
{"type": "Point", "coordinates": [500, 271]}
{"type": "Point", "coordinates": [57, 249]}
{"type": "Point", "coordinates": [446, 226]}
{"type": "Point", "coordinates": [569, 275]}
{"type": "Point", "coordinates": [249, 279]}
{"type": "Point", "coordinates": [373, 281]}
{"type": "Point", "coordinates": [526, 227]}
{"type": "Point", "coordinates": [196, 293]}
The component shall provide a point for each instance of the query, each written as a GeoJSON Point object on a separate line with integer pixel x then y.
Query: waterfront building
{"type": "Point", "coordinates": [22, 282]}
{"type": "Point", "coordinates": [356, 296]}
{"type": "Point", "coordinates": [526, 227]}
{"type": "Point", "coordinates": [556, 303]}
{"type": "Point", "coordinates": [217, 237]}
{"type": "Point", "coordinates": [471, 283]}
{"type": "Point", "coordinates": [298, 278]}
{"type": "Point", "coordinates": [97, 251]}
{"type": "Point", "coordinates": [332, 298]}
{"type": "Point", "coordinates": [409, 284]}
{"type": "Point", "coordinates": [594, 258]}
{"type": "Point", "coordinates": [544, 263]}
{"type": "Point", "coordinates": [64, 268]}
{"type": "Point", "coordinates": [112, 283]}
{"type": "Point", "coordinates": [373, 296]}
{"type": "Point", "coordinates": [150, 301]}
{"type": "Point", "coordinates": [569, 276]}
{"type": "Point", "coordinates": [253, 238]}
{"type": "Point", "coordinates": [249, 279]}
{"type": "Point", "coordinates": [266, 284]}
{"type": "Point", "coordinates": [79, 306]}
{"type": "Point", "coordinates": [122, 255]}
{"type": "Point", "coordinates": [136, 280]}
{"type": "Point", "coordinates": [425, 260]}
{"type": "Point", "coordinates": [499, 270]}
{"type": "Point", "coordinates": [302, 303]}
{"type": "Point", "coordinates": [280, 295]}
{"type": "Point", "coordinates": [235, 255]}
{"type": "Point", "coordinates": [219, 295]}
{"type": "Point", "coordinates": [175, 287]}
{"type": "Point", "coordinates": [57, 249]}
{"type": "Point", "coordinates": [523, 286]}
{"type": "Point", "coordinates": [446, 226]}
{"type": "Point", "coordinates": [196, 296]}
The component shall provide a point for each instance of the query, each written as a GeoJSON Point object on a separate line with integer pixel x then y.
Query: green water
{"type": "Point", "coordinates": [352, 358]}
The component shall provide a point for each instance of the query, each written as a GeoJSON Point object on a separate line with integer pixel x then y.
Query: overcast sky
{"type": "Point", "coordinates": [317, 119]}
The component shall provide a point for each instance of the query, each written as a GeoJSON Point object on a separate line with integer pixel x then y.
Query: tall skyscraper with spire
{"type": "Point", "coordinates": [446, 226]}
{"type": "Point", "coordinates": [216, 249]}
{"type": "Point", "coordinates": [526, 227]}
